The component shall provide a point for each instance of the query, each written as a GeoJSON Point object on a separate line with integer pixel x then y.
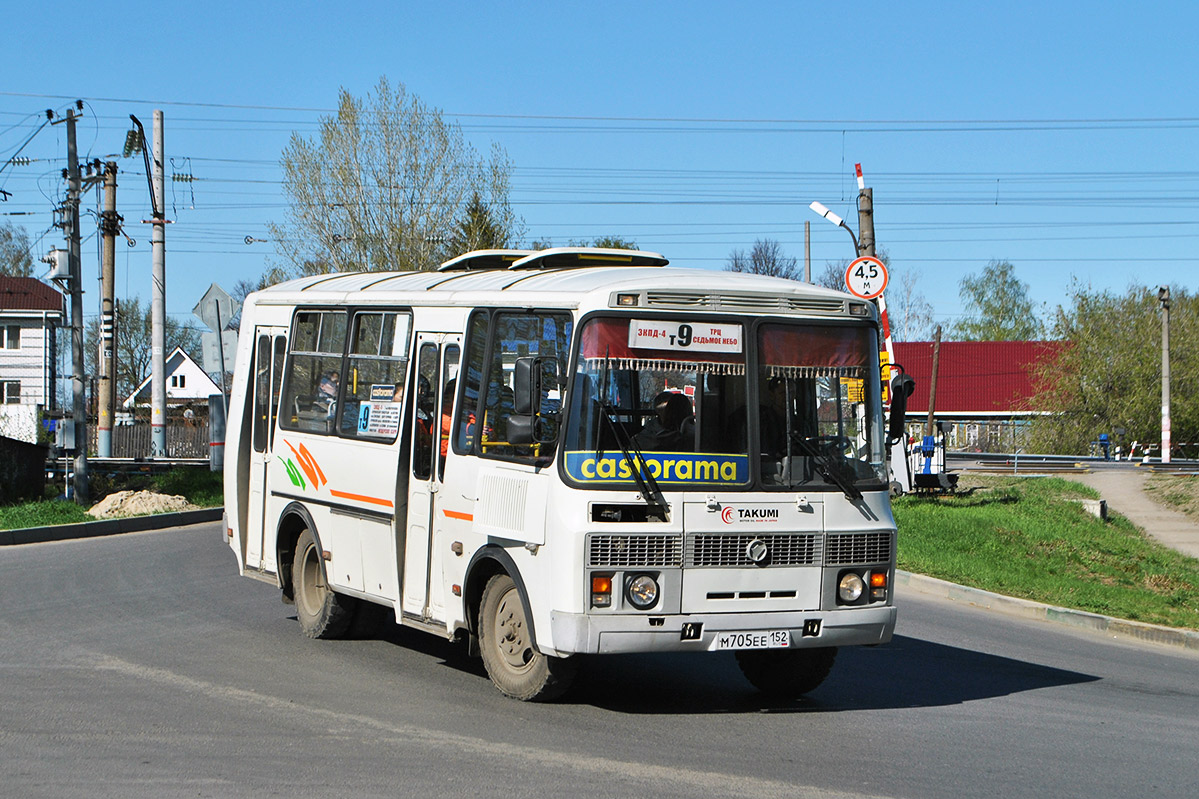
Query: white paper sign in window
{"type": "Point", "coordinates": [663, 334]}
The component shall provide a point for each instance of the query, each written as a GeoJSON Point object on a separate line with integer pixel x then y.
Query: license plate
{"type": "Point", "coordinates": [769, 639]}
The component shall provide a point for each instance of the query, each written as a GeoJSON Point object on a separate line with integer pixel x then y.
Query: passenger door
{"type": "Point", "coordinates": [436, 365]}
{"type": "Point", "coordinates": [270, 348]}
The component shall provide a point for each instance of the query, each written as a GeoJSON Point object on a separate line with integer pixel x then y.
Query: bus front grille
{"type": "Point", "coordinates": [797, 549]}
{"type": "Point", "coordinates": [850, 548]}
{"type": "Point", "coordinates": [621, 551]}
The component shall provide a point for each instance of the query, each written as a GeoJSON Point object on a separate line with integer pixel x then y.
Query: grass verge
{"type": "Point", "coordinates": [1024, 537]}
{"type": "Point", "coordinates": [199, 486]}
{"type": "Point", "coordinates": [1177, 492]}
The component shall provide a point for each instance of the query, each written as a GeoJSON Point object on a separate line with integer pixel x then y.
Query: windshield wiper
{"type": "Point", "coordinates": [820, 449]}
{"type": "Point", "coordinates": [646, 484]}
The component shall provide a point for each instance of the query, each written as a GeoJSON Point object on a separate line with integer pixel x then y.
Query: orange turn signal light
{"type": "Point", "coordinates": [601, 584]}
{"type": "Point", "coordinates": [878, 579]}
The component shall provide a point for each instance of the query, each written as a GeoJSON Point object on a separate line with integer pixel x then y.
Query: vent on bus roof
{"type": "Point", "coordinates": [742, 302]}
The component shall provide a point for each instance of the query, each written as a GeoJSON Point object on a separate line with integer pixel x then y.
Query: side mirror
{"type": "Point", "coordinates": [902, 386]}
{"type": "Point", "coordinates": [532, 380]}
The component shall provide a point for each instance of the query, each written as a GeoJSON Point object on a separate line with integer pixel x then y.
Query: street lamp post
{"type": "Point", "coordinates": [839, 222]}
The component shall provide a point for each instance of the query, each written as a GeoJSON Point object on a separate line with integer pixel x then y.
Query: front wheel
{"type": "Point", "coordinates": [512, 662]}
{"type": "Point", "coordinates": [322, 613]}
{"type": "Point", "coordinates": [786, 673]}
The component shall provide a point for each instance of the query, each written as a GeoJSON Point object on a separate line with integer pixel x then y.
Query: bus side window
{"type": "Point", "coordinates": [476, 345]}
{"type": "Point", "coordinates": [313, 374]}
{"type": "Point", "coordinates": [373, 394]}
{"type": "Point", "coordinates": [424, 423]}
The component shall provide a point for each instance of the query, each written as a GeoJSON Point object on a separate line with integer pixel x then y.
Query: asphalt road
{"type": "Point", "coordinates": [142, 666]}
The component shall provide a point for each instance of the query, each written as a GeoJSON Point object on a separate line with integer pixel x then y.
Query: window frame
{"type": "Point", "coordinates": [351, 314]}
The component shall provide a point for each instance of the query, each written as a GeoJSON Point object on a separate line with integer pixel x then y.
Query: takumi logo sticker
{"type": "Point", "coordinates": [732, 515]}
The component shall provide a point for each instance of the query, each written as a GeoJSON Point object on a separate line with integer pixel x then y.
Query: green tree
{"type": "Point", "coordinates": [766, 257]}
{"type": "Point", "coordinates": [15, 260]}
{"type": "Point", "coordinates": [383, 185]}
{"type": "Point", "coordinates": [997, 307]}
{"type": "Point", "coordinates": [477, 230]}
{"type": "Point", "coordinates": [133, 351]}
{"type": "Point", "coordinates": [1108, 375]}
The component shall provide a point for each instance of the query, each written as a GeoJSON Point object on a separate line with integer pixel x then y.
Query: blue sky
{"type": "Point", "coordinates": [1060, 137]}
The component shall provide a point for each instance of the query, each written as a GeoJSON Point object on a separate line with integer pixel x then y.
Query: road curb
{"type": "Point", "coordinates": [128, 524]}
{"type": "Point", "coordinates": [1154, 633]}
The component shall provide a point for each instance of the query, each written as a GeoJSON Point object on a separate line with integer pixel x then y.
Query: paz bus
{"type": "Point", "coordinates": [569, 452]}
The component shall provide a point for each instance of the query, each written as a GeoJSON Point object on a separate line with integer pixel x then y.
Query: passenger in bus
{"type": "Point", "coordinates": [327, 389]}
{"type": "Point", "coordinates": [447, 411]}
{"type": "Point", "coordinates": [667, 430]}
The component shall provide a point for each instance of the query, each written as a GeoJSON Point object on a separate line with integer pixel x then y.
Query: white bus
{"type": "Point", "coordinates": [566, 452]}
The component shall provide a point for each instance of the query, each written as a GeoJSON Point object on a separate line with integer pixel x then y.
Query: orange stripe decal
{"type": "Point", "coordinates": [361, 498]}
{"type": "Point", "coordinates": [454, 514]}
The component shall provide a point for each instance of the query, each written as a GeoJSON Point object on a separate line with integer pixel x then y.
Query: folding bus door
{"type": "Point", "coordinates": [436, 366]}
{"type": "Point", "coordinates": [270, 347]}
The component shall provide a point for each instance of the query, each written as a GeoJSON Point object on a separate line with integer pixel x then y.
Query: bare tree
{"type": "Point", "coordinates": [383, 186]}
{"type": "Point", "coordinates": [765, 258]}
{"type": "Point", "coordinates": [15, 260]}
{"type": "Point", "coordinates": [910, 312]}
{"type": "Point", "coordinates": [833, 275]}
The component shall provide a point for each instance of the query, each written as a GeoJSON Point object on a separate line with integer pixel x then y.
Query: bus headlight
{"type": "Point", "coordinates": [850, 588]}
{"type": "Point", "coordinates": [642, 591]}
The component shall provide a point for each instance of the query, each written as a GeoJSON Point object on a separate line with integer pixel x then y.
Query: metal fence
{"type": "Point", "coordinates": [184, 440]}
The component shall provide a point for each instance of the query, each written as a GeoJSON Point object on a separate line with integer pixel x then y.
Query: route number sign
{"type": "Point", "coordinates": [866, 277]}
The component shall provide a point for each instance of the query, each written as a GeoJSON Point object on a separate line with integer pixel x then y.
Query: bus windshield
{"type": "Point", "coordinates": [679, 395]}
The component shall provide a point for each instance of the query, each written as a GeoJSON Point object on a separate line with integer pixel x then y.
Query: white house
{"type": "Point", "coordinates": [186, 382]}
{"type": "Point", "coordinates": [30, 312]}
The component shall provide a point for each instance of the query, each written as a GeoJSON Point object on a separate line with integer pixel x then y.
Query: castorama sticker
{"type": "Point", "coordinates": [667, 468]}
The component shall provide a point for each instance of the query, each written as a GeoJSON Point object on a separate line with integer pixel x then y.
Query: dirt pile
{"type": "Point", "coordinates": [137, 503]}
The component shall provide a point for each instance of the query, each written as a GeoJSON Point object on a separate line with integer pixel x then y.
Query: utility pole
{"type": "Point", "coordinates": [158, 381]}
{"type": "Point", "coordinates": [1163, 297]}
{"type": "Point", "coordinates": [865, 215]}
{"type": "Point", "coordinates": [932, 383]}
{"type": "Point", "coordinates": [75, 266]}
{"type": "Point", "coordinates": [807, 251]}
{"type": "Point", "coordinates": [110, 226]}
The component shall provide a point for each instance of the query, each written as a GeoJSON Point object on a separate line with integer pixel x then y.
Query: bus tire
{"type": "Point", "coordinates": [786, 673]}
{"type": "Point", "coordinates": [512, 661]}
{"type": "Point", "coordinates": [321, 612]}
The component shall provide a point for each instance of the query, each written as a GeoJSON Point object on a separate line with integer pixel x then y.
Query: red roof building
{"type": "Point", "coordinates": [28, 294]}
{"type": "Point", "coordinates": [976, 379]}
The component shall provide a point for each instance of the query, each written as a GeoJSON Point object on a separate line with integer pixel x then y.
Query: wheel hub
{"type": "Point", "coordinates": [512, 638]}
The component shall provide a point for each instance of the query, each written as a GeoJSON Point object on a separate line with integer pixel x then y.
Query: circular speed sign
{"type": "Point", "coordinates": [866, 277]}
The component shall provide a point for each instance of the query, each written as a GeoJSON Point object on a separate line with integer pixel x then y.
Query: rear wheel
{"type": "Point", "coordinates": [786, 673]}
{"type": "Point", "coordinates": [322, 613]}
{"type": "Point", "coordinates": [512, 662]}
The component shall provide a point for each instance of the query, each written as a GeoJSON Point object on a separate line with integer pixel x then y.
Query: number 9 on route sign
{"type": "Point", "coordinates": [866, 277]}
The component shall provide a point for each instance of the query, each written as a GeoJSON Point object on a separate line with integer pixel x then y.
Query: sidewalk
{"type": "Point", "coordinates": [1123, 486]}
